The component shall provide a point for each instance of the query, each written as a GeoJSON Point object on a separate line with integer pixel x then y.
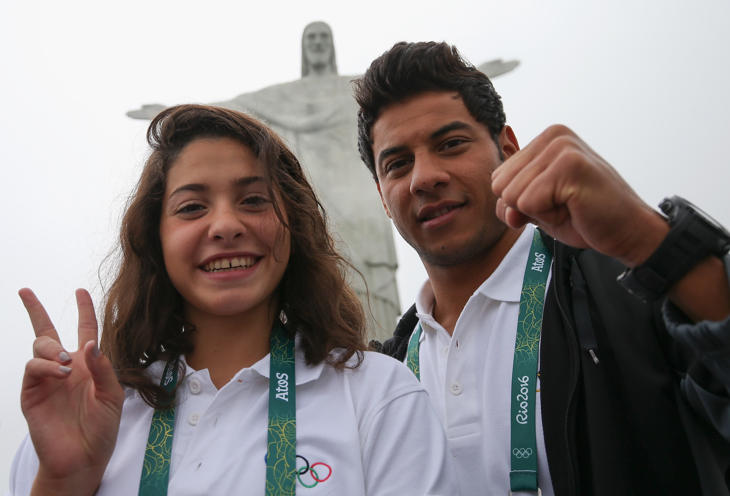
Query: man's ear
{"type": "Point", "coordinates": [385, 207]}
{"type": "Point", "coordinates": [508, 142]}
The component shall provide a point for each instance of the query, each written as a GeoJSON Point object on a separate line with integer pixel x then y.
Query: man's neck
{"type": "Point", "coordinates": [453, 285]}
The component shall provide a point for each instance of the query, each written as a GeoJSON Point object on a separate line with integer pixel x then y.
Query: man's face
{"type": "Point", "coordinates": [318, 44]}
{"type": "Point", "coordinates": [434, 162]}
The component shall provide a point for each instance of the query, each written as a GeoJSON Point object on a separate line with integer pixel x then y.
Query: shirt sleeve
{"type": "Point", "coordinates": [23, 469]}
{"type": "Point", "coordinates": [706, 386]}
{"type": "Point", "coordinates": [404, 445]}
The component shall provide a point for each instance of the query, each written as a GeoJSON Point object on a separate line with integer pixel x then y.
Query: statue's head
{"type": "Point", "coordinates": [318, 49]}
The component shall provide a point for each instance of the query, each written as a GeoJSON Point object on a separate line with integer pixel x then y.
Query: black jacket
{"type": "Point", "coordinates": [614, 420]}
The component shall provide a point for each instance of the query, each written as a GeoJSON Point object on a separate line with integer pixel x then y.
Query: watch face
{"type": "Point", "coordinates": [712, 222]}
{"type": "Point", "coordinates": [670, 206]}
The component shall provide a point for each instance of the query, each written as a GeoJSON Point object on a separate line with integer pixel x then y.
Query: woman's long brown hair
{"type": "Point", "coordinates": [143, 316]}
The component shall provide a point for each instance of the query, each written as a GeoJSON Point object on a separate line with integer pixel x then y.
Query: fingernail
{"type": "Point", "coordinates": [95, 350]}
{"type": "Point", "coordinates": [64, 369]}
{"type": "Point", "coordinates": [64, 357]}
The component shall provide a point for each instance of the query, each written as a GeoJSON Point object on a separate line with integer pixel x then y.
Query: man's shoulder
{"type": "Point", "coordinates": [397, 345]}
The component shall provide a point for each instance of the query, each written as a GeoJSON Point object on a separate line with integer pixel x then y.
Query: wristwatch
{"type": "Point", "coordinates": [693, 236]}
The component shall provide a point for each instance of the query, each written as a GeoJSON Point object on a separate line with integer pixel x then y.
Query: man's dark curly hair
{"type": "Point", "coordinates": [408, 69]}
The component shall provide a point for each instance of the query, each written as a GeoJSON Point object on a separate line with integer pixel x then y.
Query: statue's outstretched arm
{"type": "Point", "coordinates": [497, 67]}
{"type": "Point", "coordinates": [311, 123]}
{"type": "Point", "coordinates": [147, 112]}
{"type": "Point", "coordinates": [261, 109]}
{"type": "Point", "coordinates": [277, 116]}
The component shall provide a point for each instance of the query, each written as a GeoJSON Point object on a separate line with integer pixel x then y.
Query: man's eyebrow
{"type": "Point", "coordinates": [451, 126]}
{"type": "Point", "coordinates": [198, 187]}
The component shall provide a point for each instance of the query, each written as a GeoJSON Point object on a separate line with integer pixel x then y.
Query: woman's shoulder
{"type": "Point", "coordinates": [375, 362]}
{"type": "Point", "coordinates": [379, 372]}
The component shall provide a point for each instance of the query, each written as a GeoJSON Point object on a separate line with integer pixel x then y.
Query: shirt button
{"type": "Point", "coordinates": [456, 389]}
{"type": "Point", "coordinates": [194, 386]}
{"type": "Point", "coordinates": [193, 419]}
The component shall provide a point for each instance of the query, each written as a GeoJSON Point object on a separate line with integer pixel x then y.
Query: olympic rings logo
{"type": "Point", "coordinates": [310, 475]}
{"type": "Point", "coordinates": [522, 452]}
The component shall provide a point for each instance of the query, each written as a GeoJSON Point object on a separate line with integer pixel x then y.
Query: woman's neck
{"type": "Point", "coordinates": [226, 344]}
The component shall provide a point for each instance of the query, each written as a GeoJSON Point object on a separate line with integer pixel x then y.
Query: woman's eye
{"type": "Point", "coordinates": [189, 208]}
{"type": "Point", "coordinates": [255, 201]}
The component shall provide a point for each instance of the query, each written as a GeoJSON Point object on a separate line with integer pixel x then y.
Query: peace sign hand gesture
{"type": "Point", "coordinates": [71, 401]}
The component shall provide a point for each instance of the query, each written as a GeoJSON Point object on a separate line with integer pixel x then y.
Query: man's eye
{"type": "Point", "coordinates": [452, 143]}
{"type": "Point", "coordinates": [396, 164]}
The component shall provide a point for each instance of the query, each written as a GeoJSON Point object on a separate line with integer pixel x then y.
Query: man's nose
{"type": "Point", "coordinates": [428, 173]}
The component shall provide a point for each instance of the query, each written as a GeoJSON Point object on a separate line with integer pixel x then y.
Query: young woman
{"type": "Point", "coordinates": [231, 358]}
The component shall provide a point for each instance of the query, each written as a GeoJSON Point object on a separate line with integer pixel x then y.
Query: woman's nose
{"type": "Point", "coordinates": [225, 225]}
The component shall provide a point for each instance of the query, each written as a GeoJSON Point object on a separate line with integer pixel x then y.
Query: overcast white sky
{"type": "Point", "coordinates": [644, 83]}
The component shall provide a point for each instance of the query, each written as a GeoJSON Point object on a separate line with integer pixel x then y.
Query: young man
{"type": "Point", "coordinates": [626, 400]}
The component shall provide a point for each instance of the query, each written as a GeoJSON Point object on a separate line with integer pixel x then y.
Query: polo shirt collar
{"type": "Point", "coordinates": [304, 372]}
{"type": "Point", "coordinates": [505, 283]}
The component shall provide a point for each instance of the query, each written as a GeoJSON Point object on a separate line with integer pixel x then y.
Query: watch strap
{"type": "Point", "coordinates": [689, 241]}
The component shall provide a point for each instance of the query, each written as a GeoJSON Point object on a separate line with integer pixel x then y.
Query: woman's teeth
{"type": "Point", "coordinates": [229, 263]}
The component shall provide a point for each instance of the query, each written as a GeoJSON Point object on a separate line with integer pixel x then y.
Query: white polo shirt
{"type": "Point", "coordinates": [468, 376]}
{"type": "Point", "coordinates": [369, 430]}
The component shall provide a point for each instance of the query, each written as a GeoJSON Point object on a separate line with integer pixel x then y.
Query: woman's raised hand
{"type": "Point", "coordinates": [72, 402]}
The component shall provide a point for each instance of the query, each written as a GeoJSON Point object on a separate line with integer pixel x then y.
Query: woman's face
{"type": "Point", "coordinates": [224, 247]}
